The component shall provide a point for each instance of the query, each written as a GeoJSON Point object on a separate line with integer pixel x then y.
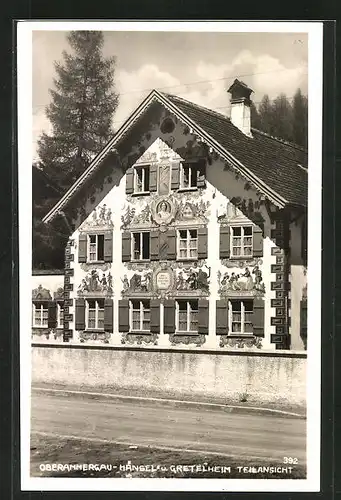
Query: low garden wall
{"type": "Point", "coordinates": [256, 376]}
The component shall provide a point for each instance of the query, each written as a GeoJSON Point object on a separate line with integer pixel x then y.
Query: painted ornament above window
{"type": "Point", "coordinates": [93, 284]}
{"type": "Point", "coordinates": [101, 218]}
{"type": "Point", "coordinates": [41, 293]}
{"type": "Point", "coordinates": [247, 282]}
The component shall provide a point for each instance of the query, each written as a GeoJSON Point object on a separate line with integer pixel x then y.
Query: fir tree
{"type": "Point", "coordinates": [300, 119]}
{"type": "Point", "coordinates": [265, 115]}
{"type": "Point", "coordinates": [282, 118]}
{"type": "Point", "coordinates": [83, 103]}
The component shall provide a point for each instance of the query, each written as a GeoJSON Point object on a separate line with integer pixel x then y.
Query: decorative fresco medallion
{"type": "Point", "coordinates": [163, 211]}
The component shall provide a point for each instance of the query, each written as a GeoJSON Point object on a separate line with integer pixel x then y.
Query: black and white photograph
{"type": "Point", "coordinates": [170, 325]}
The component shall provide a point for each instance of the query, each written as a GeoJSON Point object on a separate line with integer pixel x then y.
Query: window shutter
{"type": "Point", "coordinates": [202, 243]}
{"type": "Point", "coordinates": [82, 247]}
{"type": "Point", "coordinates": [80, 314]}
{"type": "Point", "coordinates": [303, 317]}
{"type": "Point", "coordinates": [171, 240]}
{"type": "Point", "coordinates": [153, 178]}
{"type": "Point", "coordinates": [123, 316]}
{"type": "Point", "coordinates": [201, 183]}
{"type": "Point", "coordinates": [52, 314]}
{"type": "Point", "coordinates": [130, 181]}
{"type": "Point", "coordinates": [154, 245]}
{"type": "Point", "coordinates": [222, 324]}
{"type": "Point", "coordinates": [126, 246]}
{"type": "Point", "coordinates": [224, 245]}
{"type": "Point", "coordinates": [108, 315]}
{"type": "Point", "coordinates": [257, 241]}
{"type": "Point", "coordinates": [258, 317]}
{"type": "Point", "coordinates": [203, 316]}
{"type": "Point", "coordinates": [169, 316]}
{"type": "Point", "coordinates": [155, 316]}
{"type": "Point", "coordinates": [175, 176]}
{"type": "Point", "coordinates": [108, 247]}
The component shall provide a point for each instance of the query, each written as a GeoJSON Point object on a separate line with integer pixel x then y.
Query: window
{"type": "Point", "coordinates": [240, 317]}
{"type": "Point", "coordinates": [187, 244]}
{"type": "Point", "coordinates": [189, 175]}
{"type": "Point", "coordinates": [96, 247]}
{"type": "Point", "coordinates": [187, 315]}
{"type": "Point", "coordinates": [241, 241]}
{"type": "Point", "coordinates": [141, 246]}
{"type": "Point", "coordinates": [141, 179]}
{"type": "Point", "coordinates": [40, 314]}
{"type": "Point", "coordinates": [139, 315]}
{"type": "Point", "coordinates": [60, 315]}
{"type": "Point", "coordinates": [95, 314]}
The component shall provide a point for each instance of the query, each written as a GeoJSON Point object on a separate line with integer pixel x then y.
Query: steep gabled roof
{"type": "Point", "coordinates": [276, 168]}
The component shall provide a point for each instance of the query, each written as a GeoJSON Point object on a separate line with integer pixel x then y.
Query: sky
{"type": "Point", "coordinates": [197, 66]}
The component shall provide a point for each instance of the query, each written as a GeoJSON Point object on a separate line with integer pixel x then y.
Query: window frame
{"type": "Point", "coordinates": [145, 169]}
{"type": "Point", "coordinates": [242, 236]}
{"type": "Point", "coordinates": [242, 333]}
{"type": "Point", "coordinates": [188, 247]}
{"type": "Point", "coordinates": [60, 313]}
{"type": "Point", "coordinates": [89, 235]}
{"type": "Point", "coordinates": [42, 307]}
{"type": "Point", "coordinates": [141, 310]}
{"type": "Point", "coordinates": [97, 309]}
{"type": "Point", "coordinates": [189, 320]}
{"type": "Point", "coordinates": [132, 250]}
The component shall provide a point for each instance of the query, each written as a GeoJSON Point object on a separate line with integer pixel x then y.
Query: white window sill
{"type": "Point", "coordinates": [186, 333]}
{"type": "Point", "coordinates": [188, 189]}
{"type": "Point", "coordinates": [141, 193]}
{"type": "Point", "coordinates": [95, 262]}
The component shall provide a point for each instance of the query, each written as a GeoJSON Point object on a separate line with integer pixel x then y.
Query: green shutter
{"type": "Point", "coordinates": [202, 243]}
{"type": "Point", "coordinates": [153, 178]}
{"type": "Point", "coordinates": [52, 314]}
{"type": "Point", "coordinates": [126, 246]}
{"type": "Point", "coordinates": [222, 324]}
{"type": "Point", "coordinates": [171, 240]}
{"type": "Point", "coordinates": [80, 314]}
{"type": "Point", "coordinates": [82, 247]}
{"type": "Point", "coordinates": [108, 247]}
{"type": "Point", "coordinates": [224, 243]}
{"type": "Point", "coordinates": [258, 317]}
{"type": "Point", "coordinates": [123, 316]}
{"type": "Point", "coordinates": [257, 241]}
{"type": "Point", "coordinates": [203, 316]}
{"type": "Point", "coordinates": [169, 316]}
{"type": "Point", "coordinates": [175, 176]}
{"type": "Point", "coordinates": [108, 315]}
{"type": "Point", "coordinates": [155, 316]}
{"type": "Point", "coordinates": [154, 245]}
{"type": "Point", "coordinates": [130, 181]}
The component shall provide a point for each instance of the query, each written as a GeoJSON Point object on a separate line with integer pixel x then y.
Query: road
{"type": "Point", "coordinates": [196, 428]}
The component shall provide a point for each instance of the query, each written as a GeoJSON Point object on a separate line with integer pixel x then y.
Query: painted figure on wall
{"type": "Point", "coordinates": [163, 210]}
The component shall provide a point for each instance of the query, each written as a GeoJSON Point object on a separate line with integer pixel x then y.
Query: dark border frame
{"type": "Point", "coordinates": [9, 353]}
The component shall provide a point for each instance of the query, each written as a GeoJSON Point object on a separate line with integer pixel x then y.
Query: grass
{"type": "Point", "coordinates": [52, 450]}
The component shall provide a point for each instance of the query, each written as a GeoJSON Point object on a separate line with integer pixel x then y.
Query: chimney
{"type": "Point", "coordinates": [241, 106]}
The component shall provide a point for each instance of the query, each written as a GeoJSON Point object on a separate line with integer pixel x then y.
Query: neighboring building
{"type": "Point", "coordinates": [189, 228]}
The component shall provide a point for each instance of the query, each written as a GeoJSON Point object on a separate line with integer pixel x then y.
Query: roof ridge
{"type": "Point", "coordinates": [278, 139]}
{"type": "Point", "coordinates": [221, 115]}
{"type": "Point", "coordinates": [176, 97]}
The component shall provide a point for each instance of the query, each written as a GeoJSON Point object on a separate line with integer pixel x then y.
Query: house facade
{"type": "Point", "coordinates": [188, 229]}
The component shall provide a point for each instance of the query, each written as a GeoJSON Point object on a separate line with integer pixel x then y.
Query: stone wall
{"type": "Point", "coordinates": [265, 377]}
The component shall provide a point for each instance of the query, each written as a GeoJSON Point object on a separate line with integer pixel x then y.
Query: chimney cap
{"type": "Point", "coordinates": [239, 90]}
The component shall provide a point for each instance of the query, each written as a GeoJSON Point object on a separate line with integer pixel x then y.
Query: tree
{"type": "Point", "coordinates": [300, 119]}
{"type": "Point", "coordinates": [83, 103]}
{"type": "Point", "coordinates": [282, 118]}
{"type": "Point", "coordinates": [255, 118]}
{"type": "Point", "coordinates": [265, 115]}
